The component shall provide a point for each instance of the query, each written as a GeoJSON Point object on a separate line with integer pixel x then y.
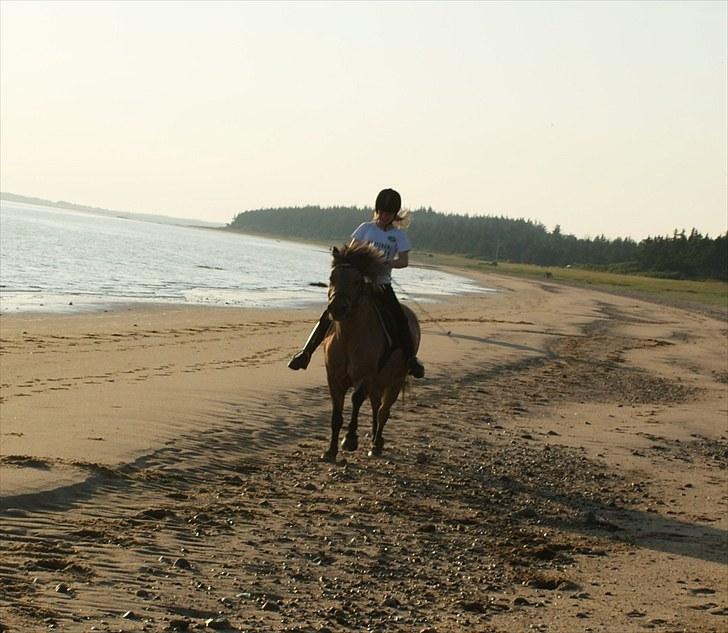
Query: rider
{"type": "Point", "coordinates": [384, 233]}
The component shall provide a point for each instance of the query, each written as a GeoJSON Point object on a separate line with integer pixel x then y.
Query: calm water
{"type": "Point", "coordinates": [53, 260]}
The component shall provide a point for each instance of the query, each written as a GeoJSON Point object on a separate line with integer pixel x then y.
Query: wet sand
{"type": "Point", "coordinates": [562, 467]}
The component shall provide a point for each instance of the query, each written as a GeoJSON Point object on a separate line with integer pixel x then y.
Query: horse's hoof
{"type": "Point", "coordinates": [375, 452]}
{"type": "Point", "coordinates": [329, 457]}
{"type": "Point", "coordinates": [350, 443]}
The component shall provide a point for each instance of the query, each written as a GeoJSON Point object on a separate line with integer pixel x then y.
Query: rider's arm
{"type": "Point", "coordinates": [402, 260]}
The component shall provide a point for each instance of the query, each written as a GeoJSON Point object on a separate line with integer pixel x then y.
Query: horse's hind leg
{"type": "Point", "coordinates": [382, 415]}
{"type": "Point", "coordinates": [375, 400]}
{"type": "Point", "coordinates": [351, 441]}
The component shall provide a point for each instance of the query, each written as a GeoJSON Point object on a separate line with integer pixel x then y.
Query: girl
{"type": "Point", "coordinates": [385, 233]}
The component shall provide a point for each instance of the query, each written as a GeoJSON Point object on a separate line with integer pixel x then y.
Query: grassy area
{"type": "Point", "coordinates": [701, 293]}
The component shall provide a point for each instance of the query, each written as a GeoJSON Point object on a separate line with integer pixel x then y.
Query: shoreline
{"type": "Point", "coordinates": [69, 305]}
{"type": "Point", "coordinates": [130, 305]}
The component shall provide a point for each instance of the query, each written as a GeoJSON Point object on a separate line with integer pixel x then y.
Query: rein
{"type": "Point", "coordinates": [425, 312]}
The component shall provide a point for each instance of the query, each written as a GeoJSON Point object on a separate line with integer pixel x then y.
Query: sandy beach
{"type": "Point", "coordinates": [563, 467]}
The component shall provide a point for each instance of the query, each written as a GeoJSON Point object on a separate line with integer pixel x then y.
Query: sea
{"type": "Point", "coordinates": [55, 260]}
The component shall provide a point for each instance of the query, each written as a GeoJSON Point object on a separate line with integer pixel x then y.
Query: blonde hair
{"type": "Point", "coordinates": [401, 221]}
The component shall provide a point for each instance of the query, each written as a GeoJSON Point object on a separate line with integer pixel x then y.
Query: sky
{"type": "Point", "coordinates": [602, 118]}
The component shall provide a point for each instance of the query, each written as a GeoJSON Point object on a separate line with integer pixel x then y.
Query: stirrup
{"type": "Point", "coordinates": [300, 360]}
{"type": "Point", "coordinates": [416, 368]}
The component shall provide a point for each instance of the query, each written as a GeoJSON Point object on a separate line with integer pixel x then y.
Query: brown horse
{"type": "Point", "coordinates": [356, 350]}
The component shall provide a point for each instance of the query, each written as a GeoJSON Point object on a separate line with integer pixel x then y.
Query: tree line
{"type": "Point", "coordinates": [681, 255]}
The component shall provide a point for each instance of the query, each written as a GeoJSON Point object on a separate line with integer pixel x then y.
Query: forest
{"type": "Point", "coordinates": [680, 256]}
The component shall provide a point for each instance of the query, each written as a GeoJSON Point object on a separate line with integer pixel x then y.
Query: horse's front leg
{"type": "Point", "coordinates": [337, 420]}
{"type": "Point", "coordinates": [338, 386]}
{"type": "Point", "coordinates": [338, 393]}
{"type": "Point", "coordinates": [351, 441]}
{"type": "Point", "coordinates": [375, 399]}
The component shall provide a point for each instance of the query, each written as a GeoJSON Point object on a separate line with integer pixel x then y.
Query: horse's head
{"type": "Point", "coordinates": [346, 286]}
{"type": "Point", "coordinates": [350, 268]}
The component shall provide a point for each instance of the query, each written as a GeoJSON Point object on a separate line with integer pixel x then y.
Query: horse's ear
{"type": "Point", "coordinates": [334, 251]}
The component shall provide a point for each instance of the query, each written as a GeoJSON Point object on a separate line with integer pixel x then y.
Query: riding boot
{"type": "Point", "coordinates": [414, 367]}
{"type": "Point", "coordinates": [318, 334]}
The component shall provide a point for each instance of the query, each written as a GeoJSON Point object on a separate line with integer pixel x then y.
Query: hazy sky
{"type": "Point", "coordinates": [600, 117]}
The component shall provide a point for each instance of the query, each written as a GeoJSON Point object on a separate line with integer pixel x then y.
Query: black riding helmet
{"type": "Point", "coordinates": [389, 201]}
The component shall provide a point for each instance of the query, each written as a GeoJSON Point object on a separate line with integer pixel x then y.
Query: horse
{"type": "Point", "coordinates": [356, 350]}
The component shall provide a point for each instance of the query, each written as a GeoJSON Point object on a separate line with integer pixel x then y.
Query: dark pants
{"type": "Point", "coordinates": [394, 307]}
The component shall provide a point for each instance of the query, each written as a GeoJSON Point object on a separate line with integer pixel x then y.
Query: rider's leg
{"type": "Point", "coordinates": [318, 334]}
{"type": "Point", "coordinates": [414, 366]}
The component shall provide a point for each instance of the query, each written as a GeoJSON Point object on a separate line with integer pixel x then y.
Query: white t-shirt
{"type": "Point", "coordinates": [391, 242]}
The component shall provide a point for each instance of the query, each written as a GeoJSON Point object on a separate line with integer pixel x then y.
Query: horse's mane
{"type": "Point", "coordinates": [367, 259]}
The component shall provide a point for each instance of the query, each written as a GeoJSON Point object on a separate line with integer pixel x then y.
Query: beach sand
{"type": "Point", "coordinates": [562, 468]}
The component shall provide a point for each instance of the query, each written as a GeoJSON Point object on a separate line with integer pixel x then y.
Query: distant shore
{"type": "Point", "coordinates": [129, 215]}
